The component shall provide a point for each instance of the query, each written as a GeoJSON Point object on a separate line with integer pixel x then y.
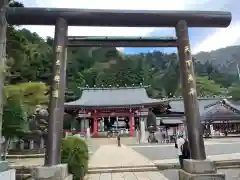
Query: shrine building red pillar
{"type": "Point", "coordinates": [95, 126]}
{"type": "Point", "coordinates": [131, 119]}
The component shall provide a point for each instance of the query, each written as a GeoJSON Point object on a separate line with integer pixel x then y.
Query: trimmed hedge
{"type": "Point", "coordinates": [74, 152]}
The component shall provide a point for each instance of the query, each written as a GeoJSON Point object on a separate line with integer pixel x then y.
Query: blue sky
{"type": "Point", "coordinates": [202, 39]}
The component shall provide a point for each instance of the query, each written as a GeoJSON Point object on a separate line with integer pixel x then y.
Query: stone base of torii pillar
{"type": "Point", "coordinates": [5, 172]}
{"type": "Point", "coordinates": [199, 170]}
{"type": "Point", "coordinates": [56, 172]}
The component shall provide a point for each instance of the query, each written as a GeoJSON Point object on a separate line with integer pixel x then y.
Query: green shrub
{"type": "Point", "coordinates": [74, 152]}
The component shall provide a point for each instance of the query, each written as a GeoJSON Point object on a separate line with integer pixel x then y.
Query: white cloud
{"type": "Point", "coordinates": [120, 49]}
{"type": "Point", "coordinates": [220, 39]}
{"type": "Point", "coordinates": [209, 43]}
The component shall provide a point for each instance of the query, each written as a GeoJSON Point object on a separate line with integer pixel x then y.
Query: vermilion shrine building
{"type": "Point", "coordinates": [104, 108]}
{"type": "Point", "coordinates": [99, 105]}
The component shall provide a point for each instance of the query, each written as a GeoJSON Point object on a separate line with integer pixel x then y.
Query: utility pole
{"type": "Point", "coordinates": [3, 30]}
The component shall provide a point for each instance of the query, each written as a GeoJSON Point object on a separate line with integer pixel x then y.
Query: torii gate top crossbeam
{"type": "Point", "coordinates": [118, 18]}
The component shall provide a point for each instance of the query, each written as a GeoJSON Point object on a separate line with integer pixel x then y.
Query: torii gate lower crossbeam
{"type": "Point", "coordinates": [118, 41]}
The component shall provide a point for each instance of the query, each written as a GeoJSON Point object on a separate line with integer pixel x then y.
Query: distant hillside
{"type": "Point", "coordinates": [226, 59]}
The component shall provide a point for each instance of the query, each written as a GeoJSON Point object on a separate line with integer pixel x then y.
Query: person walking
{"type": "Point", "coordinates": [179, 146]}
{"type": "Point", "coordinates": [185, 150]}
{"type": "Point", "coordinates": [159, 135]}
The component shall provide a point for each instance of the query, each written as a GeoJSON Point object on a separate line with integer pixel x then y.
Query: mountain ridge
{"type": "Point", "coordinates": [225, 59]}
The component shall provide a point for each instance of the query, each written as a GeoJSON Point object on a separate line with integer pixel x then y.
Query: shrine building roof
{"type": "Point", "coordinates": [222, 110]}
{"type": "Point", "coordinates": [115, 97]}
{"type": "Point", "coordinates": [217, 108]}
{"type": "Point", "coordinates": [177, 104]}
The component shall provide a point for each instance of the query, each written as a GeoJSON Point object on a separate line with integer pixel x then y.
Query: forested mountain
{"type": "Point", "coordinates": [225, 59]}
{"type": "Point", "coordinates": [30, 59]}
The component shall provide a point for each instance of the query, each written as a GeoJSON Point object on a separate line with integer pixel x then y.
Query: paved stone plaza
{"type": "Point", "coordinates": [109, 156]}
{"type": "Point", "coordinates": [219, 157]}
{"type": "Point", "coordinates": [137, 162]}
{"type": "Point", "coordinates": [213, 147]}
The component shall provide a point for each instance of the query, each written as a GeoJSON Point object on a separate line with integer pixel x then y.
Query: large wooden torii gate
{"type": "Point", "coordinates": [62, 18]}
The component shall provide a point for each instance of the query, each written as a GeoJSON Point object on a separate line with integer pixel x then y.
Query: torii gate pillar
{"type": "Point", "coordinates": [189, 92]}
{"type": "Point", "coordinates": [4, 167]}
{"type": "Point", "coordinates": [197, 167]}
{"type": "Point", "coordinates": [56, 105]}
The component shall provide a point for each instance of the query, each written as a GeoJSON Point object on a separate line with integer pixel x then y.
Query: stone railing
{"type": "Point", "coordinates": [32, 147]}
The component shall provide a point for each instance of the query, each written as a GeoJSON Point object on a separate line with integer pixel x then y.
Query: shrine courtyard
{"type": "Point", "coordinates": [143, 159]}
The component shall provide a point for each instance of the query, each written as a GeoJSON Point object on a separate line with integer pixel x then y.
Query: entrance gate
{"type": "Point", "coordinates": [62, 18]}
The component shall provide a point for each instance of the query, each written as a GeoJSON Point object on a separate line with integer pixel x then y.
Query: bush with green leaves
{"type": "Point", "coordinates": [74, 152]}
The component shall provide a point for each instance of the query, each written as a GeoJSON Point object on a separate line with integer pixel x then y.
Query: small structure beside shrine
{"type": "Point", "coordinates": [172, 119]}
{"type": "Point", "coordinates": [101, 109]}
{"type": "Point", "coordinates": [218, 115]}
{"type": "Point", "coordinates": [222, 117]}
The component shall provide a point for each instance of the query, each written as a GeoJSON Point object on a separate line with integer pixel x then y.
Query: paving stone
{"type": "Point", "coordinates": [129, 176]}
{"type": "Point", "coordinates": [142, 176]}
{"type": "Point", "coordinates": [93, 177]}
{"type": "Point", "coordinates": [105, 176]}
{"type": "Point", "coordinates": [117, 176]}
{"type": "Point", "coordinates": [156, 175]}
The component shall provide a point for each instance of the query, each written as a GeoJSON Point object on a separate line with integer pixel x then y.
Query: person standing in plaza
{"type": "Point", "coordinates": [179, 146]}
{"type": "Point", "coordinates": [186, 150]}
